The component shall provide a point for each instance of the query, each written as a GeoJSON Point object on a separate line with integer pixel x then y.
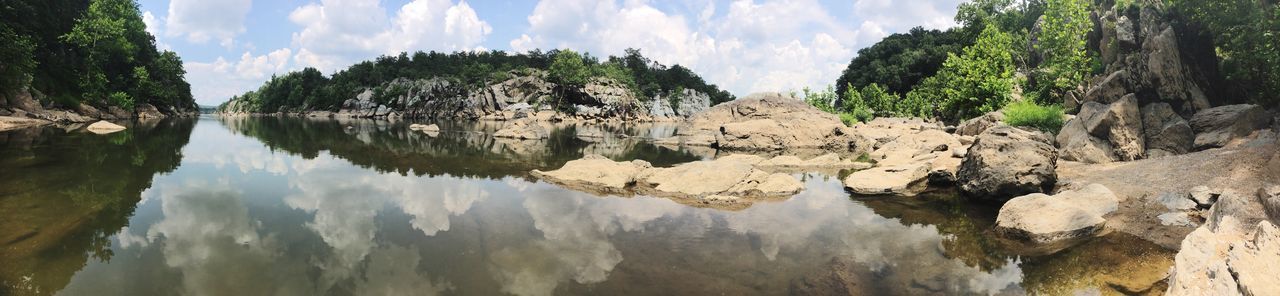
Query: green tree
{"type": "Point", "coordinates": [1063, 41]}
{"type": "Point", "coordinates": [569, 69]}
{"type": "Point", "coordinates": [1246, 34]}
{"type": "Point", "coordinates": [16, 51]}
{"type": "Point", "coordinates": [102, 34]}
{"type": "Point", "coordinates": [977, 81]}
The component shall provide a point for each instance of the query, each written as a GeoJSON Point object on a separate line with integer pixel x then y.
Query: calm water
{"type": "Point", "coordinates": [269, 206]}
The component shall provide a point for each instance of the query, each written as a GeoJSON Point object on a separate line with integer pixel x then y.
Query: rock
{"type": "Point", "coordinates": [1202, 196]}
{"type": "Point", "coordinates": [147, 111]}
{"type": "Point", "coordinates": [1167, 73]}
{"type": "Point", "coordinates": [725, 176]}
{"type": "Point", "coordinates": [1126, 35]}
{"type": "Point", "coordinates": [887, 180]}
{"type": "Point", "coordinates": [1217, 126]}
{"type": "Point", "coordinates": [118, 112]}
{"type": "Point", "coordinates": [1175, 219]}
{"type": "Point", "coordinates": [596, 173]}
{"type": "Point", "coordinates": [769, 121]}
{"type": "Point", "coordinates": [381, 111]}
{"type": "Point", "coordinates": [1177, 202]}
{"type": "Point", "coordinates": [103, 127]}
{"type": "Point", "coordinates": [976, 126]}
{"type": "Point", "coordinates": [908, 146]}
{"type": "Point", "coordinates": [1243, 208]}
{"type": "Point", "coordinates": [21, 100]}
{"type": "Point", "coordinates": [1121, 125]}
{"type": "Point", "coordinates": [1270, 198]}
{"type": "Point", "coordinates": [1005, 162]}
{"type": "Point", "coordinates": [1043, 219]}
{"type": "Point", "coordinates": [1113, 88]}
{"type": "Point", "coordinates": [1227, 259]}
{"type": "Point", "coordinates": [1076, 144]}
{"type": "Point", "coordinates": [89, 111]}
{"type": "Point", "coordinates": [1165, 132]}
{"type": "Point", "coordinates": [523, 129]}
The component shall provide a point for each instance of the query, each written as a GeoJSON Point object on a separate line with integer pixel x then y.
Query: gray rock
{"type": "Point", "coordinates": [1165, 131]}
{"type": "Point", "coordinates": [1270, 198]}
{"type": "Point", "coordinates": [1005, 162]}
{"type": "Point", "coordinates": [1175, 219]}
{"type": "Point", "coordinates": [1217, 126]}
{"type": "Point", "coordinates": [1110, 89]}
{"type": "Point", "coordinates": [1202, 196]}
{"type": "Point", "coordinates": [1076, 144]}
{"type": "Point", "coordinates": [1177, 202]}
{"type": "Point", "coordinates": [976, 126]}
{"type": "Point", "coordinates": [1168, 75]}
{"type": "Point", "coordinates": [1124, 128]}
{"type": "Point", "coordinates": [1126, 35]}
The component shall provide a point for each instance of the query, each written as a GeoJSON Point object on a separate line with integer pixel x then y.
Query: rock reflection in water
{"type": "Point", "coordinates": [310, 207]}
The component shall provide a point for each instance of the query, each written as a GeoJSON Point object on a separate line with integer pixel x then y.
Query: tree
{"type": "Point", "coordinates": [1246, 34]}
{"type": "Point", "coordinates": [568, 68]}
{"type": "Point", "coordinates": [977, 81]}
{"type": "Point", "coordinates": [1063, 40]}
{"type": "Point", "coordinates": [16, 52]}
{"type": "Point", "coordinates": [900, 61]}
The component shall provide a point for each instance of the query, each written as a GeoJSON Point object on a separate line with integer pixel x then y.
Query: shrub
{"type": "Point", "coordinates": [121, 99]}
{"type": "Point", "coordinates": [1028, 114]}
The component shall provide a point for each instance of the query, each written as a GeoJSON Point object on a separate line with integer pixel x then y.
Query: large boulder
{"type": "Point", "coordinates": [1076, 144]}
{"type": "Point", "coordinates": [729, 176]}
{"type": "Point", "coordinates": [1121, 125]}
{"type": "Point", "coordinates": [1165, 132]}
{"type": "Point", "coordinates": [1270, 198]}
{"type": "Point", "coordinates": [1112, 88]}
{"type": "Point", "coordinates": [769, 121]}
{"type": "Point", "coordinates": [1215, 127]}
{"type": "Point", "coordinates": [1042, 219]}
{"type": "Point", "coordinates": [1005, 162]}
{"type": "Point", "coordinates": [977, 125]}
{"type": "Point", "coordinates": [1167, 73]}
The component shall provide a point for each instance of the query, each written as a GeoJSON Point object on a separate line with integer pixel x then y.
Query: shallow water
{"type": "Point", "coordinates": [271, 206]}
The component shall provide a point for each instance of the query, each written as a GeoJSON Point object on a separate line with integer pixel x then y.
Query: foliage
{"type": "Point", "coordinates": [88, 51]}
{"type": "Point", "coordinates": [16, 52]}
{"type": "Point", "coordinates": [121, 99]}
{"type": "Point", "coordinates": [823, 100]}
{"type": "Point", "coordinates": [900, 61]}
{"type": "Point", "coordinates": [977, 81]}
{"type": "Point", "coordinates": [1063, 40]}
{"type": "Point", "coordinates": [653, 79]}
{"type": "Point", "coordinates": [1246, 34]}
{"type": "Point", "coordinates": [568, 68]}
{"type": "Point", "coordinates": [1029, 114]}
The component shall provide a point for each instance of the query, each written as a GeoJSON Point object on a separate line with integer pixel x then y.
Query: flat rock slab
{"type": "Point", "coordinates": [103, 127]}
{"type": "Point", "coordinates": [887, 180]}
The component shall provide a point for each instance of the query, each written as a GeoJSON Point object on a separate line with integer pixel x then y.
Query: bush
{"type": "Point", "coordinates": [121, 99]}
{"type": "Point", "coordinates": [1028, 114]}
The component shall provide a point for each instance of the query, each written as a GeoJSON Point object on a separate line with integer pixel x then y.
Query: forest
{"type": "Point", "coordinates": [309, 89]}
{"type": "Point", "coordinates": [99, 53]}
{"type": "Point", "coordinates": [1038, 51]}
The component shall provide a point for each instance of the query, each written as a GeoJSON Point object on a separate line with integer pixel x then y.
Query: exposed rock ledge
{"type": "Point", "coordinates": [1068, 215]}
{"type": "Point", "coordinates": [731, 182]}
{"type": "Point", "coordinates": [767, 122]}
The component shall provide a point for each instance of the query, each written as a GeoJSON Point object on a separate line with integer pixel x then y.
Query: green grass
{"type": "Point", "coordinates": [1029, 114]}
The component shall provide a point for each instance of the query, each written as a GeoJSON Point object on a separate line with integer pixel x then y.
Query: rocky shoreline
{"type": "Point", "coordinates": [1050, 198]}
{"type": "Point", "coordinates": [21, 110]}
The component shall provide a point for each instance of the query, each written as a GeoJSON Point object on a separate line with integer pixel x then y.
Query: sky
{"type": "Point", "coordinates": [744, 46]}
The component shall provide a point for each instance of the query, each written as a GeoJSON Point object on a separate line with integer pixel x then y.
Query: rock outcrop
{"type": "Point", "coordinates": [1005, 162]}
{"type": "Point", "coordinates": [1103, 133]}
{"type": "Point", "coordinates": [596, 173]}
{"type": "Point", "coordinates": [1218, 126]}
{"type": "Point", "coordinates": [1165, 132]}
{"type": "Point", "coordinates": [1228, 258]}
{"type": "Point", "coordinates": [734, 180]}
{"type": "Point", "coordinates": [24, 104]}
{"type": "Point", "coordinates": [767, 121]}
{"type": "Point", "coordinates": [977, 125]}
{"type": "Point", "coordinates": [1044, 219]}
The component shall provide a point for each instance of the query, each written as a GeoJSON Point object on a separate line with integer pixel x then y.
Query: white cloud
{"type": "Point", "coordinates": [338, 32]}
{"type": "Point", "coordinates": [212, 83]}
{"type": "Point", "coordinates": [201, 21]}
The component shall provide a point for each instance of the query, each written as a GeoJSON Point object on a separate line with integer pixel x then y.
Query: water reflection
{"type": "Point", "coordinates": [304, 207]}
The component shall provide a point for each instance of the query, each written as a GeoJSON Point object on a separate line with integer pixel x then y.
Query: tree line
{"type": "Point", "coordinates": [1001, 51]}
{"type": "Point", "coordinates": [309, 89]}
{"type": "Point", "coordinates": [93, 52]}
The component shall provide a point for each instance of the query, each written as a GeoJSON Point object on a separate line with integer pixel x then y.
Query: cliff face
{"type": "Point", "coordinates": [522, 95]}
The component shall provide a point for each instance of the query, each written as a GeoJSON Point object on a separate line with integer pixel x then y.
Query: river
{"type": "Point", "coordinates": [291, 206]}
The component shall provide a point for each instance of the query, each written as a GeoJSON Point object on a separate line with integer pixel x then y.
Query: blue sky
{"type": "Point", "coordinates": [232, 46]}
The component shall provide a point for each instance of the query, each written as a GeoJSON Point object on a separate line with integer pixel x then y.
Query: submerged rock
{"type": "Point", "coordinates": [104, 127]}
{"type": "Point", "coordinates": [424, 127]}
{"type": "Point", "coordinates": [1043, 219]}
{"type": "Point", "coordinates": [1005, 162]}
